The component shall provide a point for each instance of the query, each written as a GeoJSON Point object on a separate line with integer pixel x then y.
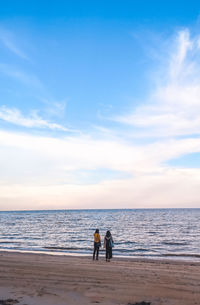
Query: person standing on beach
{"type": "Point", "coordinates": [108, 244]}
{"type": "Point", "coordinates": [97, 244]}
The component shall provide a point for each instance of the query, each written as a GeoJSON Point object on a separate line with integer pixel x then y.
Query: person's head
{"type": "Point", "coordinates": [108, 233]}
{"type": "Point", "coordinates": [97, 231]}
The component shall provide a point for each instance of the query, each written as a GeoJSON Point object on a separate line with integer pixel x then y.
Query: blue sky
{"type": "Point", "coordinates": [99, 104]}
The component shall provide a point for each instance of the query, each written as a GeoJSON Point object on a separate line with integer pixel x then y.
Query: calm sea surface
{"type": "Point", "coordinates": [136, 233]}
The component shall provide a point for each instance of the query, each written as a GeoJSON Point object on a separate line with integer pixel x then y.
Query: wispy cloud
{"type": "Point", "coordinates": [21, 76]}
{"type": "Point", "coordinates": [14, 116]}
{"type": "Point", "coordinates": [174, 107]}
{"type": "Point", "coordinates": [8, 40]}
{"type": "Point", "coordinates": [54, 107]}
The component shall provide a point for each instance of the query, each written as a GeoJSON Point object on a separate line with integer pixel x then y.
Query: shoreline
{"type": "Point", "coordinates": [125, 259]}
{"type": "Point", "coordinates": [38, 279]}
{"type": "Point", "coordinates": [193, 258]}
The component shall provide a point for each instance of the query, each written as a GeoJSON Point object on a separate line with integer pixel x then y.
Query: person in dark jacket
{"type": "Point", "coordinates": [108, 245]}
{"type": "Point", "coordinates": [97, 244]}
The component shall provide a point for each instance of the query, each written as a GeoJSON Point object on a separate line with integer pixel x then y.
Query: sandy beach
{"type": "Point", "coordinates": [37, 279]}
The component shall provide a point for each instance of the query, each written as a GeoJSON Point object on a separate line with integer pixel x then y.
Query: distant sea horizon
{"type": "Point", "coordinates": [99, 209]}
{"type": "Point", "coordinates": [146, 232]}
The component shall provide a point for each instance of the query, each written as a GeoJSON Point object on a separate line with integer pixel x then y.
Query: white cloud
{"type": "Point", "coordinates": [178, 58]}
{"type": "Point", "coordinates": [152, 191]}
{"type": "Point", "coordinates": [14, 116]}
{"type": "Point", "coordinates": [174, 108]}
{"type": "Point", "coordinates": [41, 170]}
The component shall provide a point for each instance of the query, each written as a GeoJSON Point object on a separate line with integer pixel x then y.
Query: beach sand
{"type": "Point", "coordinates": [39, 279]}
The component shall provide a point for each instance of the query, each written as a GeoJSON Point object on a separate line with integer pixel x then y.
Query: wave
{"type": "Point", "coordinates": [170, 243]}
{"type": "Point", "coordinates": [10, 242]}
{"type": "Point", "coordinates": [152, 232]}
{"type": "Point", "coordinates": [6, 242]}
{"type": "Point", "coordinates": [101, 249]}
{"type": "Point", "coordinates": [67, 248]}
{"type": "Point", "coordinates": [126, 243]}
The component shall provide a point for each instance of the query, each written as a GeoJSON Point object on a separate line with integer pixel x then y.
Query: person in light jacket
{"type": "Point", "coordinates": [108, 245]}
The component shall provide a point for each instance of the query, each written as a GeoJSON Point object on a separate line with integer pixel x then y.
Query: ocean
{"type": "Point", "coordinates": [150, 233]}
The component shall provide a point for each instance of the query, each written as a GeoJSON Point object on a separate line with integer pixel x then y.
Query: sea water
{"type": "Point", "coordinates": [155, 233]}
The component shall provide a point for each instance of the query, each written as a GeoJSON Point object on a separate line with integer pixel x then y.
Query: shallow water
{"type": "Point", "coordinates": [136, 233]}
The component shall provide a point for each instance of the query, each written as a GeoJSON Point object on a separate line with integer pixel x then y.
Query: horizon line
{"type": "Point", "coordinates": [93, 209]}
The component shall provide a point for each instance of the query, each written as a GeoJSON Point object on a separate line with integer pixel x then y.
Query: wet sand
{"type": "Point", "coordinates": [39, 279]}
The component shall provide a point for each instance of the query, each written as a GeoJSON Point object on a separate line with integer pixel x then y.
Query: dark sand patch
{"type": "Point", "coordinates": [140, 303]}
{"type": "Point", "coordinates": [9, 302]}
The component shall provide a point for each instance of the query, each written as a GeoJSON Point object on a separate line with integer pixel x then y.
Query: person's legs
{"type": "Point", "coordinates": [110, 252]}
{"type": "Point", "coordinates": [94, 253]}
{"type": "Point", "coordinates": [95, 249]}
{"type": "Point", "coordinates": [97, 255]}
{"type": "Point", "coordinates": [106, 253]}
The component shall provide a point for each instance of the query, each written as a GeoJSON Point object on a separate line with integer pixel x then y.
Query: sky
{"type": "Point", "coordinates": [99, 104]}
